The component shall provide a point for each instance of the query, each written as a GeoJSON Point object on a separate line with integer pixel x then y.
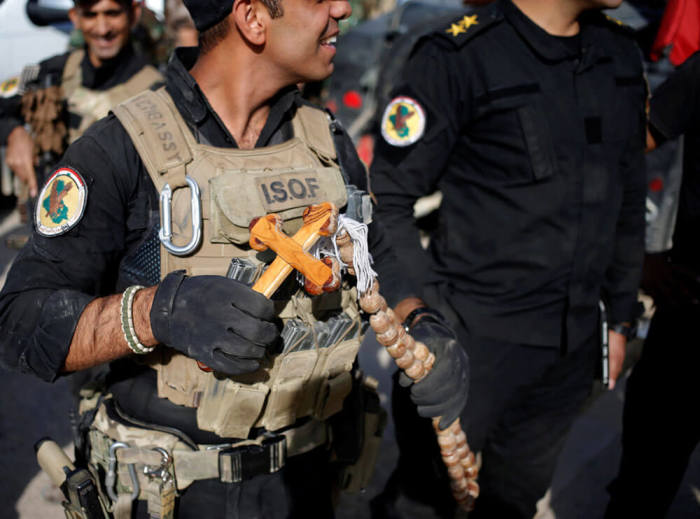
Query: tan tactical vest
{"type": "Point", "coordinates": [92, 105]}
{"type": "Point", "coordinates": [237, 185]}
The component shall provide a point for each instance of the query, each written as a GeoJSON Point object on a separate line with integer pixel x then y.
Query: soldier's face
{"type": "Point", "coordinates": [302, 41]}
{"type": "Point", "coordinates": [106, 27]}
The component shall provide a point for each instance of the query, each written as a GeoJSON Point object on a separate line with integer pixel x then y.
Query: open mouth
{"type": "Point", "coordinates": [330, 41]}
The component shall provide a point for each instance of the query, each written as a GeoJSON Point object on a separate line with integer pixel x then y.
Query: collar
{"type": "Point", "coordinates": [204, 121]}
{"type": "Point", "coordinates": [112, 72]}
{"type": "Point", "coordinates": [550, 47]}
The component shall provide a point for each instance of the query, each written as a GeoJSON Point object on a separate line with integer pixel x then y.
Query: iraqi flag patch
{"type": "Point", "coordinates": [403, 122]}
{"type": "Point", "coordinates": [61, 203]}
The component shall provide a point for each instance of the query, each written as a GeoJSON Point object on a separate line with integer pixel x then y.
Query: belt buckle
{"type": "Point", "coordinates": [233, 460]}
{"type": "Point", "coordinates": [277, 446]}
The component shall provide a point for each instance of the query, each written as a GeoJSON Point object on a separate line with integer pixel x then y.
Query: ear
{"type": "Point", "coordinates": [135, 14]}
{"type": "Point", "coordinates": [74, 17]}
{"type": "Point", "coordinates": [251, 19]}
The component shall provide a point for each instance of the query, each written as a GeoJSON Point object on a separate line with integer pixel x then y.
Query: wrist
{"type": "Point", "coordinates": [406, 306]}
{"type": "Point", "coordinates": [143, 301]}
{"type": "Point", "coordinates": [420, 313]}
{"type": "Point", "coordinates": [624, 328]}
{"type": "Point", "coordinates": [17, 132]}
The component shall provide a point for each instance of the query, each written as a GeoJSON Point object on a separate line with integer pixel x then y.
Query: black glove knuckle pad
{"type": "Point", "coordinates": [215, 320]}
{"type": "Point", "coordinates": [443, 391]}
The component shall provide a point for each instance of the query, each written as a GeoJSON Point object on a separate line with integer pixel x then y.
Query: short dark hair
{"type": "Point", "coordinates": [274, 7]}
{"type": "Point", "coordinates": [89, 3]}
{"type": "Point", "coordinates": [212, 36]}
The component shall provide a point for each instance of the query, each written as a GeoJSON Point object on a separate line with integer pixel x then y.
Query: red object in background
{"type": "Point", "coordinates": [656, 185]}
{"type": "Point", "coordinates": [352, 99]}
{"type": "Point", "coordinates": [332, 105]}
{"type": "Point", "coordinates": [680, 28]}
{"type": "Point", "coordinates": [365, 149]}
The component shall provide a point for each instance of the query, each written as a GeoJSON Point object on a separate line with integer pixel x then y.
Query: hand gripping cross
{"type": "Point", "coordinates": [292, 253]}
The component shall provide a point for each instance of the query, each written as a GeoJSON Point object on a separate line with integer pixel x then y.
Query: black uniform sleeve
{"type": "Point", "coordinates": [623, 276]}
{"type": "Point", "coordinates": [395, 285]}
{"type": "Point", "coordinates": [675, 106]}
{"type": "Point", "coordinates": [10, 116]}
{"type": "Point", "coordinates": [401, 175]}
{"type": "Point", "coordinates": [54, 278]}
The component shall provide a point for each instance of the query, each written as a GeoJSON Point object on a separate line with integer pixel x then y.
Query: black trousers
{"type": "Point", "coordinates": [522, 402]}
{"type": "Point", "coordinates": [661, 422]}
{"type": "Point", "coordinates": [302, 489]}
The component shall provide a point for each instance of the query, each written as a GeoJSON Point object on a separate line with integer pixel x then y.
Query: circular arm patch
{"type": "Point", "coordinates": [9, 87]}
{"type": "Point", "coordinates": [61, 203]}
{"type": "Point", "coordinates": [403, 122]}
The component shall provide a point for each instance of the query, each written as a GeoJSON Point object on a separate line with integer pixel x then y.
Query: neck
{"type": "Point", "coordinates": [557, 17]}
{"type": "Point", "coordinates": [239, 88]}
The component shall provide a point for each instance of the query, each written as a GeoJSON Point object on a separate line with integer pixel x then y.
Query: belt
{"type": "Point", "coordinates": [232, 463]}
{"type": "Point", "coordinates": [228, 462]}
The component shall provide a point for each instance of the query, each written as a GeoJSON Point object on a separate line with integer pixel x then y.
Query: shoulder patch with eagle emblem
{"type": "Point", "coordinates": [61, 203]}
{"type": "Point", "coordinates": [403, 122]}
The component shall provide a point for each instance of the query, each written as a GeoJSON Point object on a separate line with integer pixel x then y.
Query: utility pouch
{"type": "Point", "coordinates": [239, 195]}
{"type": "Point", "coordinates": [335, 378]}
{"type": "Point", "coordinates": [357, 435]}
{"type": "Point", "coordinates": [229, 408]}
{"type": "Point", "coordinates": [293, 371]}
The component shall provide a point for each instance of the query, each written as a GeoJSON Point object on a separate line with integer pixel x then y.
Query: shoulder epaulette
{"type": "Point", "coordinates": [460, 30]}
{"type": "Point", "coordinates": [618, 26]}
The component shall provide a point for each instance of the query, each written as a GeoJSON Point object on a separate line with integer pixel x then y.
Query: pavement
{"type": "Point", "coordinates": [31, 409]}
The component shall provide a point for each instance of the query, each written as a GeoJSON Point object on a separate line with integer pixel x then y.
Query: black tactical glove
{"type": "Point", "coordinates": [215, 320]}
{"type": "Point", "coordinates": [443, 391]}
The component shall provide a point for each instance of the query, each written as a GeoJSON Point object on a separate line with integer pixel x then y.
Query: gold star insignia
{"type": "Point", "coordinates": [614, 20]}
{"type": "Point", "coordinates": [456, 29]}
{"type": "Point", "coordinates": [468, 21]}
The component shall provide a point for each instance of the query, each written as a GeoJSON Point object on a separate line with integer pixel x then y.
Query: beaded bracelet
{"type": "Point", "coordinates": [127, 318]}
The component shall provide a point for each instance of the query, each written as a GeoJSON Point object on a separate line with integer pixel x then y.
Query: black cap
{"type": "Point", "coordinates": [207, 13]}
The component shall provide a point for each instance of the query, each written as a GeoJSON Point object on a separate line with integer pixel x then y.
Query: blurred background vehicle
{"type": "Point", "coordinates": [31, 30]}
{"type": "Point", "coordinates": [368, 60]}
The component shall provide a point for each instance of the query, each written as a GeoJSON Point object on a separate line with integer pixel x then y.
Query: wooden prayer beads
{"type": "Point", "coordinates": [414, 358]}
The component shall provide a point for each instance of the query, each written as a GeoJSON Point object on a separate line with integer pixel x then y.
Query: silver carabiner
{"type": "Point", "coordinates": [166, 233]}
{"type": "Point", "coordinates": [161, 471]}
{"type": "Point", "coordinates": [111, 477]}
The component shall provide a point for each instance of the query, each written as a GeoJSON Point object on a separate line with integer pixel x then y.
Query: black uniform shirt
{"type": "Point", "coordinates": [536, 143]}
{"type": "Point", "coordinates": [53, 279]}
{"type": "Point", "coordinates": [112, 73]}
{"type": "Point", "coordinates": [675, 111]}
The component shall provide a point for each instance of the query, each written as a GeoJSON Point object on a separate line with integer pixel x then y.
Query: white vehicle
{"type": "Point", "coordinates": [30, 31]}
{"type": "Point", "coordinates": [33, 30]}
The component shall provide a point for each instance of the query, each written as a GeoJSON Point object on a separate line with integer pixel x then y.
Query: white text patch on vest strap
{"type": "Point", "coordinates": [289, 190]}
{"type": "Point", "coordinates": [61, 203]}
{"type": "Point", "coordinates": [158, 127]}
